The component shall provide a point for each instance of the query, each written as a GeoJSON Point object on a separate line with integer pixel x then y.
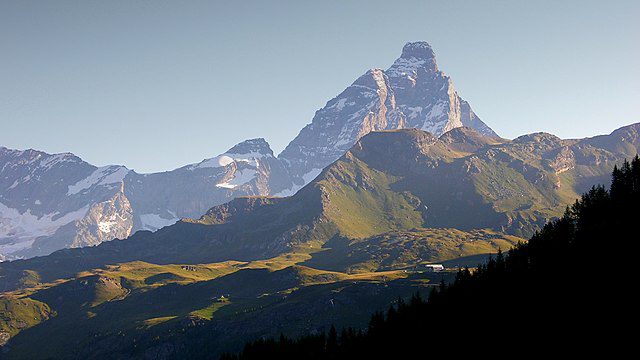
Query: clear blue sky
{"type": "Point", "coordinates": [155, 85]}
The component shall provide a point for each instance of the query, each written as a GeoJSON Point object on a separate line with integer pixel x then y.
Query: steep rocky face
{"type": "Point", "coordinates": [46, 196]}
{"type": "Point", "coordinates": [367, 105]}
{"type": "Point", "coordinates": [425, 94]}
{"type": "Point", "coordinates": [51, 202]}
{"type": "Point", "coordinates": [412, 93]}
{"type": "Point", "coordinates": [103, 221]}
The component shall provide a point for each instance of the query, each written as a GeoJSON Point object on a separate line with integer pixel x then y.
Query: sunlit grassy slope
{"type": "Point", "coordinates": [17, 314]}
{"type": "Point", "coordinates": [138, 297]}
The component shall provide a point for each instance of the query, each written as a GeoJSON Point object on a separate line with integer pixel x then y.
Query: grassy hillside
{"type": "Point", "coordinates": [149, 302]}
{"type": "Point", "coordinates": [361, 203]}
{"type": "Point", "coordinates": [545, 295]}
{"type": "Point", "coordinates": [17, 314]}
{"type": "Point", "coordinates": [406, 249]}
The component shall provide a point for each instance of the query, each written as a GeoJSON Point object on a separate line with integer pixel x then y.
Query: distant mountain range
{"type": "Point", "coordinates": [50, 202]}
{"type": "Point", "coordinates": [340, 248]}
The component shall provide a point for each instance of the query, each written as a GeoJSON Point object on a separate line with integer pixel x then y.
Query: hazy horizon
{"type": "Point", "coordinates": [161, 85]}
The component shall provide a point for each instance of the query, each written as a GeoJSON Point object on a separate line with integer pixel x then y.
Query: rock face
{"type": "Point", "coordinates": [412, 93]}
{"type": "Point", "coordinates": [49, 202]}
{"type": "Point", "coordinates": [51, 196]}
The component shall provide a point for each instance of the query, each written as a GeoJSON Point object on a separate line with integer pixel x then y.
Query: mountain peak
{"type": "Point", "coordinates": [419, 50]}
{"type": "Point", "coordinates": [415, 56]}
{"type": "Point", "coordinates": [466, 139]}
{"type": "Point", "coordinates": [252, 146]}
{"type": "Point", "coordinates": [412, 93]}
{"type": "Point", "coordinates": [538, 137]}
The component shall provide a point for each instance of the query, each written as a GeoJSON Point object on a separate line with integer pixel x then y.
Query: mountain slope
{"type": "Point", "coordinates": [56, 196]}
{"type": "Point", "coordinates": [412, 93]}
{"type": "Point", "coordinates": [539, 291]}
{"type": "Point", "coordinates": [462, 180]}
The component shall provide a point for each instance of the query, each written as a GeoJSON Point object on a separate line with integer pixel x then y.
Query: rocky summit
{"type": "Point", "coordinates": [412, 93]}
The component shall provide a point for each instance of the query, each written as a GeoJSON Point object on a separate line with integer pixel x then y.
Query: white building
{"type": "Point", "coordinates": [430, 267]}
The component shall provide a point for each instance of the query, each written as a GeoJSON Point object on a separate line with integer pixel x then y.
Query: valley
{"type": "Point", "coordinates": [147, 303]}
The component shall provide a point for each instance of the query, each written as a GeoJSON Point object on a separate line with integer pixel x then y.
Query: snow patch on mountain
{"type": "Point", "coordinates": [248, 156]}
{"type": "Point", "coordinates": [218, 161]}
{"type": "Point", "coordinates": [311, 175]}
{"type": "Point", "coordinates": [308, 177]}
{"type": "Point", "coordinates": [154, 222]}
{"type": "Point", "coordinates": [19, 230]}
{"type": "Point", "coordinates": [19, 181]}
{"type": "Point", "coordinates": [24, 225]}
{"type": "Point", "coordinates": [252, 158]}
{"type": "Point", "coordinates": [413, 112]}
{"type": "Point", "coordinates": [341, 104]}
{"type": "Point", "coordinates": [405, 67]}
{"type": "Point", "coordinates": [101, 176]}
{"type": "Point", "coordinates": [437, 110]}
{"type": "Point", "coordinates": [53, 160]}
{"type": "Point", "coordinates": [240, 177]}
{"type": "Point", "coordinates": [225, 159]}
